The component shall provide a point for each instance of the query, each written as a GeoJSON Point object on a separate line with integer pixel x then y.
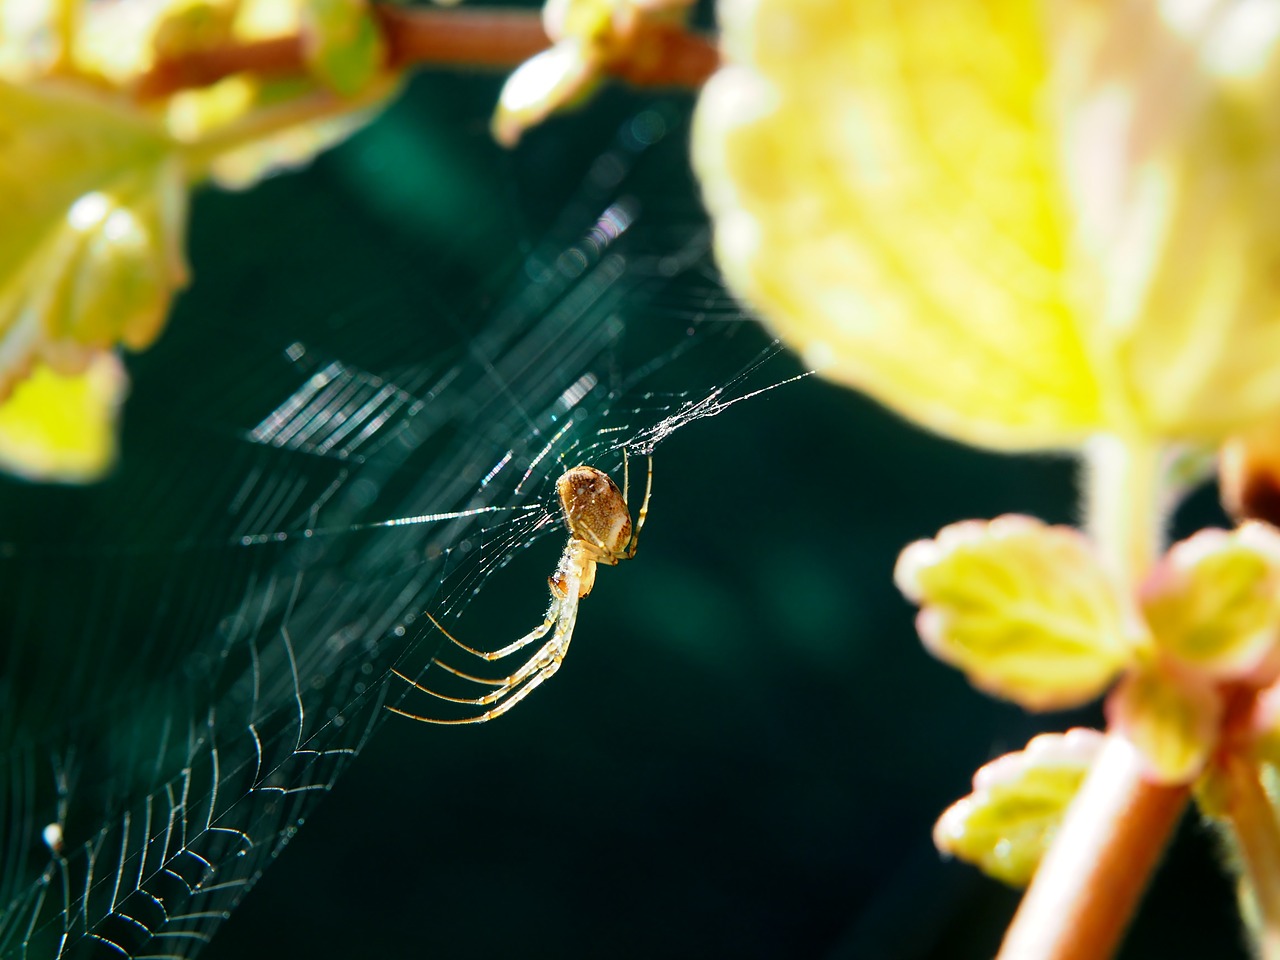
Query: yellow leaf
{"type": "Point", "coordinates": [1213, 602]}
{"type": "Point", "coordinates": [63, 428]}
{"type": "Point", "coordinates": [1017, 805]}
{"type": "Point", "coordinates": [186, 26]}
{"type": "Point", "coordinates": [1172, 718]}
{"type": "Point", "coordinates": [95, 202]}
{"type": "Point", "coordinates": [342, 43]}
{"type": "Point", "coordinates": [1013, 231]}
{"type": "Point", "coordinates": [1022, 608]}
{"type": "Point", "coordinates": [585, 20]}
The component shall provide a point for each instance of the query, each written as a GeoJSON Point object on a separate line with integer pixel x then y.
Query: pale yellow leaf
{"type": "Point", "coordinates": [1017, 805]}
{"type": "Point", "coordinates": [1213, 603]}
{"type": "Point", "coordinates": [1022, 608]}
{"type": "Point", "coordinates": [1014, 228]}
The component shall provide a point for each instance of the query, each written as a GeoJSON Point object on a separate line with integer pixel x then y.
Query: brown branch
{"type": "Point", "coordinates": [492, 38]}
{"type": "Point", "coordinates": [1089, 883]}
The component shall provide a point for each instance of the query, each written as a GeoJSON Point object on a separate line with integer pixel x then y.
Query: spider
{"type": "Point", "coordinates": [599, 522]}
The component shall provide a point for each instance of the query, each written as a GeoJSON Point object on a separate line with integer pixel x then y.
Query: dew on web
{"type": "Point", "coordinates": [197, 648]}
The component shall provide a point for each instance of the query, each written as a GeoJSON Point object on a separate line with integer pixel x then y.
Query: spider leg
{"type": "Point", "coordinates": [465, 676]}
{"type": "Point", "coordinates": [535, 672]}
{"type": "Point", "coordinates": [544, 673]}
{"type": "Point", "coordinates": [503, 686]}
{"type": "Point", "coordinates": [644, 512]}
{"type": "Point", "coordinates": [537, 633]}
{"type": "Point", "coordinates": [542, 676]}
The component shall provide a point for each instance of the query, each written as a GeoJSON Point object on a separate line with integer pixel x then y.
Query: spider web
{"type": "Point", "coordinates": [198, 647]}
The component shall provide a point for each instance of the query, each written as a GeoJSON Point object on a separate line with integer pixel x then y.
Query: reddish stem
{"type": "Point", "coordinates": [493, 38]}
{"type": "Point", "coordinates": [1091, 879]}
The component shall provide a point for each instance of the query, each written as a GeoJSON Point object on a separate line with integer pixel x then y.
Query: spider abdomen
{"type": "Point", "coordinates": [595, 511]}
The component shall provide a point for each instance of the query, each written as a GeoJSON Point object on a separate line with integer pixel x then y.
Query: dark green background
{"type": "Point", "coordinates": [744, 754]}
{"type": "Point", "coordinates": [745, 751]}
